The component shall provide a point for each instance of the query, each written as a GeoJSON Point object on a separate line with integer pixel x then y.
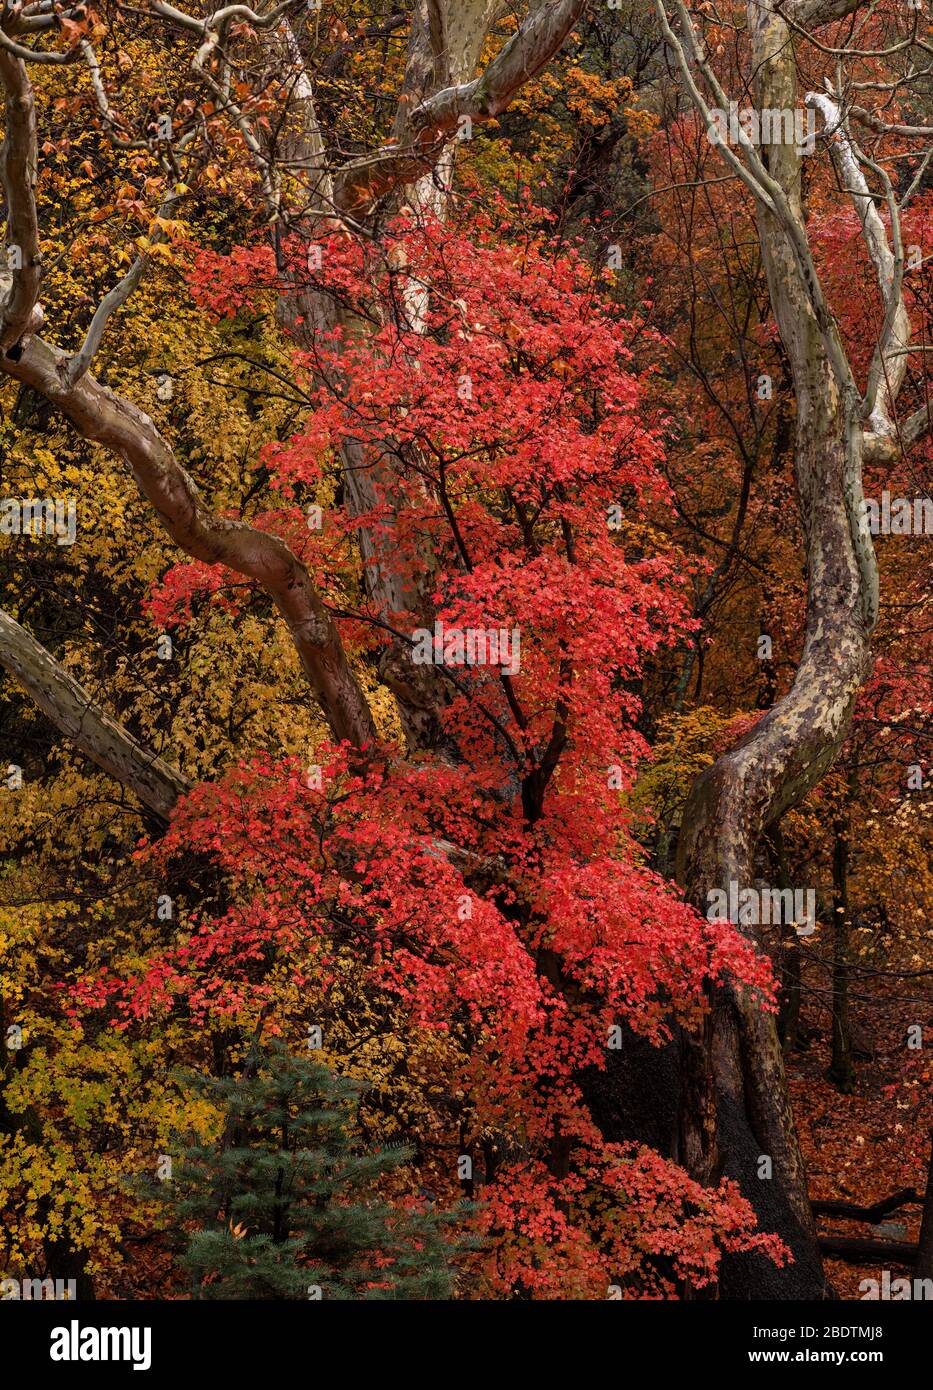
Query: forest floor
{"type": "Point", "coordinates": [865, 1146]}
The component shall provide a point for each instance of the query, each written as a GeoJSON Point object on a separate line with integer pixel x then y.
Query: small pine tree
{"type": "Point", "coordinates": [284, 1206]}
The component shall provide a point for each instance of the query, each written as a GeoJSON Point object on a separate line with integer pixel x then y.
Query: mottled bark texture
{"type": "Point", "coordinates": [734, 1081]}
{"type": "Point", "coordinates": [18, 166]}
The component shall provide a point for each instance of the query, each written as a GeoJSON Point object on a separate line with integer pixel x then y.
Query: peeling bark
{"type": "Point", "coordinates": [18, 166]}
{"type": "Point", "coordinates": [358, 185]}
{"type": "Point", "coordinates": [739, 1062]}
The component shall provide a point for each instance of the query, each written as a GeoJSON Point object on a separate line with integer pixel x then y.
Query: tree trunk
{"type": "Point", "coordinates": [788, 751]}
{"type": "Point", "coordinates": [841, 1070]}
{"type": "Point", "coordinates": [790, 968]}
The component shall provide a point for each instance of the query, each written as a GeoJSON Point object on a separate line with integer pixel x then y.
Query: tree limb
{"type": "Point", "coordinates": [907, 1196]}
{"type": "Point", "coordinates": [358, 185]}
{"type": "Point", "coordinates": [901, 1252]}
{"type": "Point", "coordinates": [888, 363]}
{"type": "Point", "coordinates": [103, 417]}
{"type": "Point", "coordinates": [813, 13]}
{"type": "Point", "coordinates": [71, 709]}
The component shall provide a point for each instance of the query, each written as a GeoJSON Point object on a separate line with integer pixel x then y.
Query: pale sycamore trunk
{"type": "Point", "coordinates": [740, 1061]}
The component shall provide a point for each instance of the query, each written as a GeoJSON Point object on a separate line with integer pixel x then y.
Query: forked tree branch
{"type": "Point", "coordinates": [358, 185]}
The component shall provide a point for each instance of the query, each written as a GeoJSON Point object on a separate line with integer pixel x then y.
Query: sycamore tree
{"type": "Point", "coordinates": [460, 522]}
{"type": "Point", "coordinates": [848, 415]}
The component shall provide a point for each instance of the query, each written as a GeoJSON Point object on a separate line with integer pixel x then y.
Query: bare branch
{"type": "Point", "coordinates": [875, 123]}
{"type": "Point", "coordinates": [72, 710]}
{"type": "Point", "coordinates": [116, 298]}
{"type": "Point", "coordinates": [112, 301]}
{"type": "Point", "coordinates": [887, 362]}
{"type": "Point", "coordinates": [46, 57]}
{"type": "Point", "coordinates": [213, 22]}
{"type": "Point", "coordinates": [813, 13]}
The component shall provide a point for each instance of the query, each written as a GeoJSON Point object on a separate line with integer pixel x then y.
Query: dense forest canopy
{"type": "Point", "coordinates": [466, 536]}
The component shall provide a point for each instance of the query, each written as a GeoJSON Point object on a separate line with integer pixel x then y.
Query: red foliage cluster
{"type": "Point", "coordinates": [517, 420]}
